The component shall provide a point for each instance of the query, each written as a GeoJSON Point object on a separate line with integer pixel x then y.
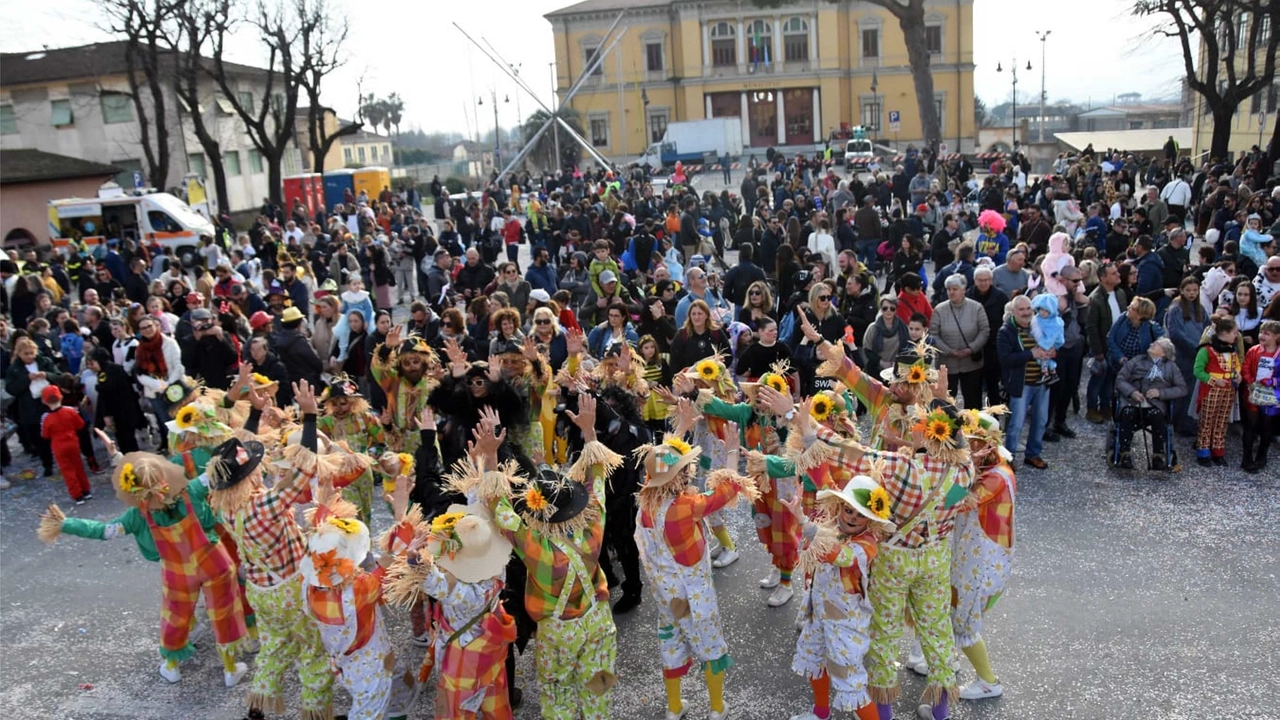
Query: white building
{"type": "Point", "coordinates": [75, 102]}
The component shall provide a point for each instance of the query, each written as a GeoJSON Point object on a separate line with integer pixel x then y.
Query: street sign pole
{"type": "Point", "coordinates": [895, 124]}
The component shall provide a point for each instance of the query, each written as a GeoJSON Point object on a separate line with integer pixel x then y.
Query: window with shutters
{"type": "Point", "coordinates": [116, 108]}
{"type": "Point", "coordinates": [255, 160]}
{"type": "Point", "coordinates": [933, 39]}
{"type": "Point", "coordinates": [871, 114]}
{"type": "Point", "coordinates": [599, 129]}
{"type": "Point", "coordinates": [871, 43]}
{"type": "Point", "coordinates": [61, 111]}
{"type": "Point", "coordinates": [795, 39]}
{"type": "Point", "coordinates": [231, 162]}
{"type": "Point", "coordinates": [724, 45]}
{"type": "Point", "coordinates": [653, 56]}
{"type": "Point", "coordinates": [195, 164]}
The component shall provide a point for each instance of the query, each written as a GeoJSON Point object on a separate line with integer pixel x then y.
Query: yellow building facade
{"type": "Point", "coordinates": [792, 73]}
{"type": "Point", "coordinates": [1255, 119]}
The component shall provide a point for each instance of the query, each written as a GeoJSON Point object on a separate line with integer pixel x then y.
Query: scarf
{"type": "Point", "coordinates": [150, 357]}
{"type": "Point", "coordinates": [877, 346]}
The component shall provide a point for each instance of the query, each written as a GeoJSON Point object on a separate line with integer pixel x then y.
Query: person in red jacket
{"type": "Point", "coordinates": [911, 298]}
{"type": "Point", "coordinates": [60, 426]}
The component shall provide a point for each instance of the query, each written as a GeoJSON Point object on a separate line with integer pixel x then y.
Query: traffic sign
{"type": "Point", "coordinates": [895, 121]}
{"type": "Point", "coordinates": [942, 149]}
{"type": "Point", "coordinates": [137, 179]}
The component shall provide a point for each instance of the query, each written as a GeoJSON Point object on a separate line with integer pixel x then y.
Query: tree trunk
{"type": "Point", "coordinates": [1223, 113]}
{"type": "Point", "coordinates": [220, 185]}
{"type": "Point", "coordinates": [1273, 150]}
{"type": "Point", "coordinates": [275, 177]}
{"type": "Point", "coordinates": [918, 56]}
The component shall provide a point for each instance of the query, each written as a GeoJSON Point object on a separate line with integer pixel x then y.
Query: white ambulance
{"type": "Point", "coordinates": [146, 217]}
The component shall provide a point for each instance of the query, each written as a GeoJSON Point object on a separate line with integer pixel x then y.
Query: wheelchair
{"type": "Point", "coordinates": [1170, 459]}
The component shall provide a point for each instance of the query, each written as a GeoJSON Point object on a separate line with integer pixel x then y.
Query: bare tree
{"type": "Point", "coordinates": [270, 123]}
{"type": "Point", "coordinates": [322, 39]}
{"type": "Point", "coordinates": [143, 27]}
{"type": "Point", "coordinates": [1233, 35]}
{"type": "Point", "coordinates": [193, 25]}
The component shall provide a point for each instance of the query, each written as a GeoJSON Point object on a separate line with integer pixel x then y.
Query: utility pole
{"type": "Point", "coordinates": [1043, 37]}
{"type": "Point", "coordinates": [622, 114]}
{"type": "Point", "coordinates": [555, 105]}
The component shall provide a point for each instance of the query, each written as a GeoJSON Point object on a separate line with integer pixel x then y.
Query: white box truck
{"type": "Point", "coordinates": [695, 141]}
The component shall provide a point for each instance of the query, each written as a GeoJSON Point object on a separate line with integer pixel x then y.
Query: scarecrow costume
{"type": "Point", "coordinates": [171, 522]}
{"type": "Point", "coordinates": [360, 431]}
{"type": "Point", "coordinates": [405, 399]}
{"type": "Point", "coordinates": [459, 558]}
{"type": "Point", "coordinates": [556, 525]}
{"type": "Point", "coordinates": [261, 520]}
{"type": "Point", "coordinates": [776, 527]}
{"type": "Point", "coordinates": [835, 615]}
{"type": "Point", "coordinates": [342, 599]}
{"type": "Point", "coordinates": [912, 378]}
{"type": "Point", "coordinates": [982, 549]}
{"type": "Point", "coordinates": [913, 566]}
{"type": "Point", "coordinates": [672, 549]}
{"type": "Point", "coordinates": [708, 435]}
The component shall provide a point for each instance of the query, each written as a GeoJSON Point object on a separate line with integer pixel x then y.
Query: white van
{"type": "Point", "coordinates": [144, 218]}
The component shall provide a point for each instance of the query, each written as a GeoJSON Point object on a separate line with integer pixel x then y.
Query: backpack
{"type": "Point", "coordinates": [787, 328]}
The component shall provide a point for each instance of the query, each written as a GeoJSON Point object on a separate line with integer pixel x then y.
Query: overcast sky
{"type": "Point", "coordinates": [412, 48]}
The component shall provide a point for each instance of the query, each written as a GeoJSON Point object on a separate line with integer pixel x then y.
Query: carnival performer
{"type": "Point", "coordinates": [170, 520]}
{"type": "Point", "coordinates": [1217, 367]}
{"type": "Point", "coordinates": [343, 601]}
{"type": "Point", "coordinates": [530, 376]}
{"type": "Point", "coordinates": [459, 559]}
{"type": "Point", "coordinates": [61, 426]}
{"type": "Point", "coordinates": [835, 616]}
{"type": "Point", "coordinates": [709, 374]}
{"type": "Point", "coordinates": [672, 550]}
{"type": "Point", "coordinates": [913, 565]}
{"type": "Point", "coordinates": [982, 553]}
{"type": "Point", "coordinates": [556, 525]}
{"type": "Point", "coordinates": [775, 526]}
{"type": "Point", "coordinates": [271, 546]}
{"type": "Point", "coordinates": [405, 370]}
{"type": "Point", "coordinates": [348, 419]}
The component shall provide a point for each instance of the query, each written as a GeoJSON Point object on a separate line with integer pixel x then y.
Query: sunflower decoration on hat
{"type": "Point", "coordinates": [712, 373]}
{"type": "Point", "coordinates": [872, 511]}
{"type": "Point", "coordinates": [392, 465]}
{"type": "Point", "coordinates": [199, 423]}
{"type": "Point", "coordinates": [775, 379]}
{"type": "Point", "coordinates": [983, 426]}
{"type": "Point", "coordinates": [913, 367]}
{"type": "Point", "coordinates": [941, 426]}
{"type": "Point", "coordinates": [668, 468]}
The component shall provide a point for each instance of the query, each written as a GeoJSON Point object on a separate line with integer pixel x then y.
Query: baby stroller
{"type": "Point", "coordinates": [1120, 456]}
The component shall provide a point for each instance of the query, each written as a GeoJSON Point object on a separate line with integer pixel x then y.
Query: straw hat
{"type": "Point", "coordinates": [913, 367]}
{"type": "Point", "coordinates": [940, 424]}
{"type": "Point", "coordinates": [983, 426]}
{"type": "Point", "coordinates": [465, 543]}
{"type": "Point", "coordinates": [664, 461]}
{"type": "Point", "coordinates": [335, 550]}
{"type": "Point", "coordinates": [147, 480]}
{"type": "Point", "coordinates": [776, 378]}
{"type": "Point", "coordinates": [180, 393]}
{"type": "Point", "coordinates": [551, 498]}
{"type": "Point", "coordinates": [199, 417]}
{"type": "Point", "coordinates": [866, 497]}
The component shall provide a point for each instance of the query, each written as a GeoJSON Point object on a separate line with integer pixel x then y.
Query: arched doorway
{"type": "Point", "coordinates": [19, 238]}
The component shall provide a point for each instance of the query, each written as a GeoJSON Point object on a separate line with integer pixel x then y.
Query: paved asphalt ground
{"type": "Point", "coordinates": [1133, 596]}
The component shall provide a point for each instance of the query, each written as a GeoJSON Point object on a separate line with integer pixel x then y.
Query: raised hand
{"type": "Point", "coordinates": [777, 403]}
{"type": "Point", "coordinates": [393, 336]}
{"type": "Point", "coordinates": [529, 350]}
{"type": "Point", "coordinates": [665, 393]}
{"type": "Point", "coordinates": [585, 418]}
{"type": "Point", "coordinates": [386, 417]}
{"type": "Point", "coordinates": [732, 441]}
{"type": "Point", "coordinates": [804, 420]}
{"type": "Point", "coordinates": [573, 341]}
{"type": "Point", "coordinates": [427, 419]}
{"type": "Point", "coordinates": [807, 328]}
{"type": "Point", "coordinates": [495, 371]}
{"type": "Point", "coordinates": [258, 401]}
{"type": "Point", "coordinates": [686, 415]}
{"type": "Point", "coordinates": [795, 504]}
{"type": "Point", "coordinates": [400, 497]}
{"type": "Point", "coordinates": [107, 442]}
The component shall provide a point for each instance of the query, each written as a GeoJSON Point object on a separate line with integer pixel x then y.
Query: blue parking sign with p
{"type": "Point", "coordinates": [137, 178]}
{"type": "Point", "coordinates": [894, 116]}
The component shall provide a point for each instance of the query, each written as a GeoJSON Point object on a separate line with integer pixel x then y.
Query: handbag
{"type": "Point", "coordinates": [1263, 396]}
{"type": "Point", "coordinates": [977, 354]}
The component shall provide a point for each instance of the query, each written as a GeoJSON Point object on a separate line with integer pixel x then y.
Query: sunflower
{"type": "Point", "coordinates": [936, 426]}
{"type": "Point", "coordinates": [917, 374]}
{"type": "Point", "coordinates": [707, 370]}
{"type": "Point", "coordinates": [128, 478]}
{"type": "Point", "coordinates": [406, 463]}
{"type": "Point", "coordinates": [443, 524]}
{"type": "Point", "coordinates": [878, 503]}
{"type": "Point", "coordinates": [535, 500]}
{"type": "Point", "coordinates": [775, 381]}
{"type": "Point", "coordinates": [680, 445]}
{"type": "Point", "coordinates": [260, 379]}
{"type": "Point", "coordinates": [821, 408]}
{"type": "Point", "coordinates": [970, 421]}
{"type": "Point", "coordinates": [346, 525]}
{"type": "Point", "coordinates": [186, 417]}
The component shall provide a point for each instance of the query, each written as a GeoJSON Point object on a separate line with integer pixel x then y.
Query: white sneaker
{"type": "Point", "coordinates": [805, 716]}
{"type": "Point", "coordinates": [726, 558]}
{"type": "Point", "coordinates": [4, 484]}
{"type": "Point", "coordinates": [233, 678]}
{"type": "Point", "coordinates": [980, 689]}
{"type": "Point", "coordinates": [714, 548]}
{"type": "Point", "coordinates": [924, 712]}
{"type": "Point", "coordinates": [172, 674]}
{"type": "Point", "coordinates": [720, 715]}
{"type": "Point", "coordinates": [250, 646]}
{"type": "Point", "coordinates": [771, 580]}
{"type": "Point", "coordinates": [780, 596]}
{"type": "Point", "coordinates": [915, 659]}
{"type": "Point", "coordinates": [684, 710]}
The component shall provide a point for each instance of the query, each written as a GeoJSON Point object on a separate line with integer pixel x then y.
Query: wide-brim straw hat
{"type": "Point", "coordinates": [145, 479]}
{"type": "Point", "coordinates": [864, 495]}
{"type": "Point", "coordinates": [664, 461]}
{"type": "Point", "coordinates": [471, 548]}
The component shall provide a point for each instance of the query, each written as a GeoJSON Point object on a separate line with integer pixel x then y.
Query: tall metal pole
{"type": "Point", "coordinates": [1043, 37]}
{"type": "Point", "coordinates": [622, 113]}
{"type": "Point", "coordinates": [555, 105]}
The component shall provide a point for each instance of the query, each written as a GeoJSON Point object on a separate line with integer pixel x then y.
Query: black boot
{"type": "Point", "coordinates": [1247, 462]}
{"type": "Point", "coordinates": [1260, 460]}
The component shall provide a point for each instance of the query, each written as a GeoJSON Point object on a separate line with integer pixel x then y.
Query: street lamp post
{"type": "Point", "coordinates": [875, 102]}
{"type": "Point", "coordinates": [1043, 37]}
{"type": "Point", "coordinates": [644, 100]}
{"type": "Point", "coordinates": [1014, 72]}
{"type": "Point", "coordinates": [497, 133]}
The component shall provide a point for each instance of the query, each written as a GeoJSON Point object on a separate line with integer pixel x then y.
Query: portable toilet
{"type": "Point", "coordinates": [371, 180]}
{"type": "Point", "coordinates": [301, 188]}
{"type": "Point", "coordinates": [316, 191]}
{"type": "Point", "coordinates": [335, 182]}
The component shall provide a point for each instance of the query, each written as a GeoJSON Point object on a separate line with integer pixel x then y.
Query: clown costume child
{"type": "Point", "coordinates": [669, 533]}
